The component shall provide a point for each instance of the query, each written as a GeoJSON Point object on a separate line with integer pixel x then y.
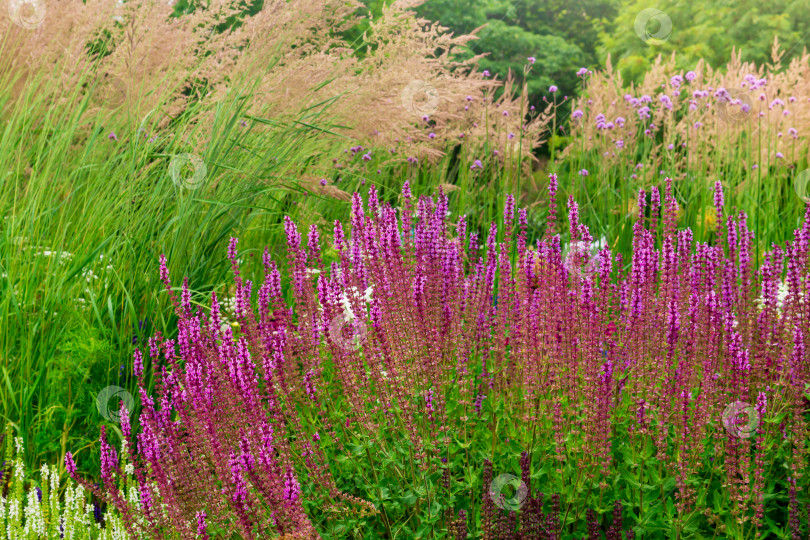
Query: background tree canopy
{"type": "Point", "coordinates": [561, 35]}
{"type": "Point", "coordinates": [708, 29]}
{"type": "Point", "coordinates": [565, 35]}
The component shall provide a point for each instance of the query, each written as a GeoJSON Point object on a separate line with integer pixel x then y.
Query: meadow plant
{"type": "Point", "coordinates": [406, 377]}
{"type": "Point", "coordinates": [743, 123]}
{"type": "Point", "coordinates": [40, 508]}
{"type": "Point", "coordinates": [698, 113]}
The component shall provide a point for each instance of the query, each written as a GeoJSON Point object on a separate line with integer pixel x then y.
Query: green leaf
{"type": "Point", "coordinates": [629, 477]}
{"type": "Point", "coordinates": [409, 498]}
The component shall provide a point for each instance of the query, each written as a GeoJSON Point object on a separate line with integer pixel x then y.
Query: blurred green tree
{"type": "Point", "coordinates": [708, 29]}
{"type": "Point", "coordinates": [561, 35]}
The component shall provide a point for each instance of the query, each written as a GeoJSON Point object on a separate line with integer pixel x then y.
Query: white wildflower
{"type": "Point", "coordinates": [34, 521]}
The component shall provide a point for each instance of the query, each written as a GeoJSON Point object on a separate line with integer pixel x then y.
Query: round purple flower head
{"type": "Point", "coordinates": [583, 172]}
{"type": "Point", "coordinates": [552, 89]}
{"type": "Point", "coordinates": [532, 59]}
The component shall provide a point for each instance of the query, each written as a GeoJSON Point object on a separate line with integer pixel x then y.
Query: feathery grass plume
{"type": "Point", "coordinates": [144, 56]}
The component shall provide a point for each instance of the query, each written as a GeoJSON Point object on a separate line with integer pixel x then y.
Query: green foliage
{"type": "Point", "coordinates": [709, 29]}
{"type": "Point", "coordinates": [561, 37]}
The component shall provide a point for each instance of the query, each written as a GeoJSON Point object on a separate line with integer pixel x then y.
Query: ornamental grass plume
{"type": "Point", "coordinates": [140, 55]}
{"type": "Point", "coordinates": [411, 360]}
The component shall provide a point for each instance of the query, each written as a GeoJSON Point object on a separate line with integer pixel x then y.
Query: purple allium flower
{"type": "Point", "coordinates": [552, 89]}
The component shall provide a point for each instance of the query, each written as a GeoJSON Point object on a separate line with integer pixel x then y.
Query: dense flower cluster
{"type": "Point", "coordinates": [594, 358]}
